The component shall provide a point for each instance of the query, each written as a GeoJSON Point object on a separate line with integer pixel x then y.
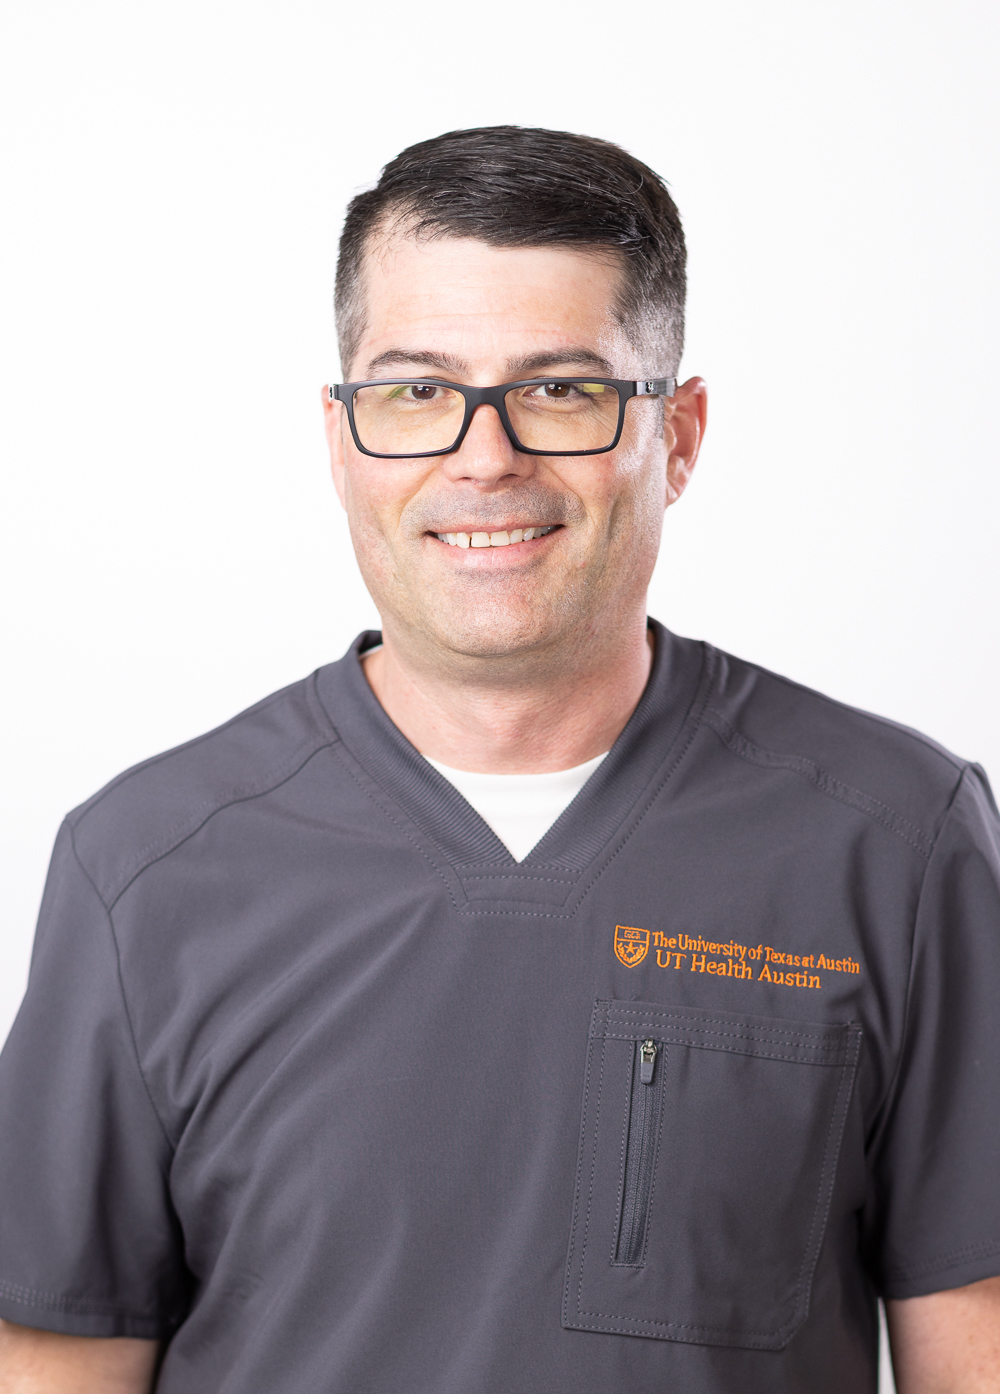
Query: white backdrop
{"type": "Point", "coordinates": [175, 177]}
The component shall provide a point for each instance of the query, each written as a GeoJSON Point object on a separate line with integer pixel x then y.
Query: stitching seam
{"type": "Point", "coordinates": [660, 1125]}
{"type": "Point", "coordinates": [829, 1171]}
{"type": "Point", "coordinates": [614, 1012]}
{"type": "Point", "coordinates": [755, 1054]}
{"type": "Point", "coordinates": [144, 765]}
{"type": "Point", "coordinates": [616, 1227]}
{"type": "Point", "coordinates": [53, 1301]}
{"type": "Point", "coordinates": [124, 1000]}
{"type": "Point", "coordinates": [617, 1011]}
{"type": "Point", "coordinates": [826, 1183]}
{"type": "Point", "coordinates": [883, 1111]}
{"type": "Point", "coordinates": [698, 706]}
{"type": "Point", "coordinates": [579, 1182]}
{"type": "Point", "coordinates": [985, 1250]}
{"type": "Point", "coordinates": [820, 779]}
{"type": "Point", "coordinates": [593, 1174]}
{"type": "Point", "coordinates": [696, 712]}
{"type": "Point", "coordinates": [401, 829]}
{"type": "Point", "coordinates": [500, 874]}
{"type": "Point", "coordinates": [170, 840]}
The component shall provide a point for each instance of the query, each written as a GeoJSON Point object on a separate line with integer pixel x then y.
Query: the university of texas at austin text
{"type": "Point", "coordinates": [730, 959]}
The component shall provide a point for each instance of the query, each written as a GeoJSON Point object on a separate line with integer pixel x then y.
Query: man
{"type": "Point", "coordinates": [532, 1000]}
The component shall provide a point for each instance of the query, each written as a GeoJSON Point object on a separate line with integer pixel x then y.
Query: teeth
{"type": "Point", "coordinates": [493, 539]}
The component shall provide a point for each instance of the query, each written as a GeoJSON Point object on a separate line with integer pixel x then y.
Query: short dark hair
{"type": "Point", "coordinates": [519, 186]}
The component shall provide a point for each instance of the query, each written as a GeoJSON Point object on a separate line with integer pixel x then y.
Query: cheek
{"type": "Point", "coordinates": [650, 463]}
{"type": "Point", "coordinates": [372, 542]}
{"type": "Point", "coordinates": [375, 496]}
{"type": "Point", "coordinates": [635, 492]}
{"type": "Point", "coordinates": [376, 501]}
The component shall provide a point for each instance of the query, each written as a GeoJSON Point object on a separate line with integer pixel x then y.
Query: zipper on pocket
{"type": "Point", "coordinates": [640, 1150]}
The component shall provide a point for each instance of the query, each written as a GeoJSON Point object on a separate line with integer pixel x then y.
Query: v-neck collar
{"type": "Point", "coordinates": [638, 764]}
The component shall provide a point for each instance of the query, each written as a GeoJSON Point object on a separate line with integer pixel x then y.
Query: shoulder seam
{"type": "Point", "coordinates": [121, 994]}
{"type": "Point", "coordinates": [958, 764]}
{"type": "Point", "coordinates": [170, 840]}
{"type": "Point", "coordinates": [89, 805]}
{"type": "Point", "coordinates": [921, 842]}
{"type": "Point", "coordinates": [883, 1108]}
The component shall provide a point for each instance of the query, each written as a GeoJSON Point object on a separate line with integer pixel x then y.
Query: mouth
{"type": "Point", "coordinates": [495, 539]}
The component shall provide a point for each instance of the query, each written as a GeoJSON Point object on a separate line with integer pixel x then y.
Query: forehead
{"type": "Point", "coordinates": [479, 303]}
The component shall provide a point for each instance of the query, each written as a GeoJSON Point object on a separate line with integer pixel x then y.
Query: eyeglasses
{"type": "Point", "coordinates": [408, 418]}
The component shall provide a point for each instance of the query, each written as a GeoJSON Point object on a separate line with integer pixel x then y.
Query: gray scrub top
{"type": "Point", "coordinates": [315, 1082]}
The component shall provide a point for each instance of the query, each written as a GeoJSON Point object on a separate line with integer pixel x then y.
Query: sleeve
{"type": "Point", "coordinates": [933, 1217]}
{"type": "Point", "coordinates": [89, 1244]}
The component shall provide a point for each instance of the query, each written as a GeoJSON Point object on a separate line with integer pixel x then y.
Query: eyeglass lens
{"type": "Point", "coordinates": [395, 418]}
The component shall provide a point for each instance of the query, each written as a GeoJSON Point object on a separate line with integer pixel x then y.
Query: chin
{"type": "Point", "coordinates": [496, 632]}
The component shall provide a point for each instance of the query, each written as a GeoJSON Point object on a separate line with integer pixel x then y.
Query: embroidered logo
{"type": "Point", "coordinates": [730, 959]}
{"type": "Point", "coordinates": [631, 945]}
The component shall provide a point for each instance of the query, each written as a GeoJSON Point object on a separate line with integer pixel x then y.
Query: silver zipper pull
{"type": "Point", "coordinates": [647, 1059]}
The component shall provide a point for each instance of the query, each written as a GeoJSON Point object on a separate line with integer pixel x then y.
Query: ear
{"type": "Point", "coordinates": [333, 422]}
{"type": "Point", "coordinates": [684, 426]}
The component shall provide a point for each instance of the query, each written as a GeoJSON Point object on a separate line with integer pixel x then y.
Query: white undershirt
{"type": "Point", "coordinates": [520, 808]}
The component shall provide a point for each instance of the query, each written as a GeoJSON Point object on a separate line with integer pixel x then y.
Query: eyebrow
{"type": "Point", "coordinates": [514, 368]}
{"type": "Point", "coordinates": [558, 358]}
{"type": "Point", "coordinates": [397, 357]}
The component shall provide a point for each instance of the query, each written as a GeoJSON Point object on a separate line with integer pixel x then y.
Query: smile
{"type": "Point", "coordinates": [493, 539]}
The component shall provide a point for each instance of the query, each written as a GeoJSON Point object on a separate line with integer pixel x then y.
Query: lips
{"type": "Point", "coordinates": [494, 539]}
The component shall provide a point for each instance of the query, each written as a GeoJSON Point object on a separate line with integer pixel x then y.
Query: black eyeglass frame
{"type": "Point", "coordinates": [494, 397]}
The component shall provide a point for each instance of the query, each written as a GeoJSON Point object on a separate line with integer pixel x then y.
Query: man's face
{"type": "Point", "coordinates": [462, 311]}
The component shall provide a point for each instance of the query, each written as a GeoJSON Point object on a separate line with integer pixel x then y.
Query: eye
{"type": "Point", "coordinates": [413, 392]}
{"type": "Point", "coordinates": [551, 391]}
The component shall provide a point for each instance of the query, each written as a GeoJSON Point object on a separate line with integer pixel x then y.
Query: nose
{"type": "Point", "coordinates": [486, 456]}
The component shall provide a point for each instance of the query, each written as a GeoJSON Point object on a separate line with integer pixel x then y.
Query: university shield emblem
{"type": "Point", "coordinates": [630, 944]}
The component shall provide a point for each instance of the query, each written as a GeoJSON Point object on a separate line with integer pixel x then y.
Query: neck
{"type": "Point", "coordinates": [562, 712]}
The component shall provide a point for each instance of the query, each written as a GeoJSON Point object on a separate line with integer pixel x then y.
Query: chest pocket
{"type": "Point", "coordinates": [708, 1149]}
